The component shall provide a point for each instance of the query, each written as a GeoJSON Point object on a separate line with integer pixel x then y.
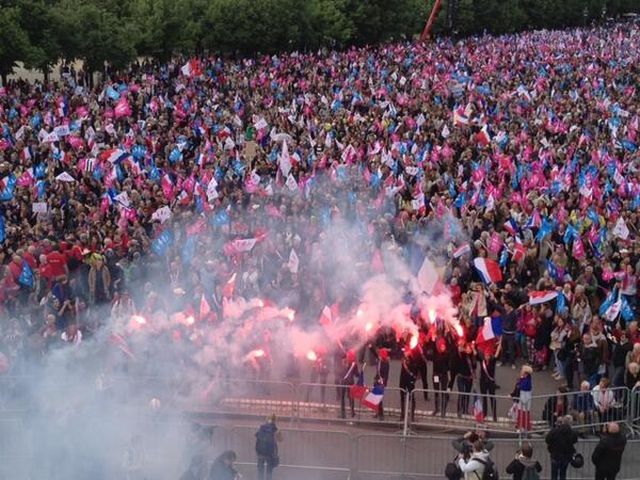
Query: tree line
{"type": "Point", "coordinates": [40, 32]}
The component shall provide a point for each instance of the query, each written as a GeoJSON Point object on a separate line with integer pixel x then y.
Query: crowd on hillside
{"type": "Point", "coordinates": [174, 187]}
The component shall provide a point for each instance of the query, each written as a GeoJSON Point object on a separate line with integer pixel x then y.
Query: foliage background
{"type": "Point", "coordinates": [40, 32]}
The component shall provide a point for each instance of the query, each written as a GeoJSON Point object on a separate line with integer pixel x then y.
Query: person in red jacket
{"type": "Point", "coordinates": [57, 262]}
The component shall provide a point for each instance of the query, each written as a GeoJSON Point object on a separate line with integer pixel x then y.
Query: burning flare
{"type": "Point", "coordinates": [139, 320]}
{"type": "Point", "coordinates": [311, 355]}
{"type": "Point", "coordinates": [413, 343]}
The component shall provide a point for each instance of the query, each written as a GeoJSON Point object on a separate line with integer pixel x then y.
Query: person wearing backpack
{"type": "Point", "coordinates": [477, 465]}
{"type": "Point", "coordinates": [524, 466]}
{"type": "Point", "coordinates": [267, 438]}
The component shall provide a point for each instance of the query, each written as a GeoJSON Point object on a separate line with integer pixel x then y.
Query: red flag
{"type": "Point", "coordinates": [229, 287]}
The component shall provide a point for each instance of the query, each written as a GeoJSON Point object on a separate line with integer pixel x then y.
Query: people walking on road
{"type": "Point", "coordinates": [607, 456]}
{"type": "Point", "coordinates": [561, 441]}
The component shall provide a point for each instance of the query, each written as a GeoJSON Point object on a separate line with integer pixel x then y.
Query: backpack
{"type": "Point", "coordinates": [490, 472]}
{"type": "Point", "coordinates": [530, 473]}
{"type": "Point", "coordinates": [265, 441]}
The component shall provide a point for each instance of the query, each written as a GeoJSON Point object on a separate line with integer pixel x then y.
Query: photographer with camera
{"type": "Point", "coordinates": [524, 466]}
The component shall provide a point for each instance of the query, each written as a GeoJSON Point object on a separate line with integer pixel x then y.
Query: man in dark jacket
{"type": "Point", "coordinates": [267, 438]}
{"type": "Point", "coordinates": [560, 443]}
{"type": "Point", "coordinates": [222, 468]}
{"type": "Point", "coordinates": [607, 455]}
{"type": "Point", "coordinates": [509, 327]}
{"type": "Point", "coordinates": [523, 463]}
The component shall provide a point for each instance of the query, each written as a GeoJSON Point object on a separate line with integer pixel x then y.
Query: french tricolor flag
{"type": "Point", "coordinates": [113, 155]}
{"type": "Point", "coordinates": [537, 297]}
{"type": "Point", "coordinates": [461, 250]}
{"type": "Point", "coordinates": [491, 329]}
{"type": "Point", "coordinates": [488, 269]}
{"type": "Point", "coordinates": [478, 411]}
{"type": "Point", "coordinates": [373, 399]}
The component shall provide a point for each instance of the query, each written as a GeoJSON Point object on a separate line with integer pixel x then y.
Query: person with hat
{"type": "Point", "coordinates": [441, 360]}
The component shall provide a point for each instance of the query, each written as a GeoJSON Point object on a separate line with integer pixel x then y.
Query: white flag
{"type": "Point", "coordinates": [445, 132]}
{"type": "Point", "coordinates": [284, 162]}
{"type": "Point", "coordinates": [294, 262]}
{"type": "Point", "coordinates": [162, 214]}
{"type": "Point", "coordinates": [62, 130]}
{"type": "Point", "coordinates": [244, 245]}
{"type": "Point", "coordinates": [65, 177]}
{"type": "Point", "coordinates": [291, 183]}
{"type": "Point", "coordinates": [212, 192]}
{"type": "Point", "coordinates": [621, 230]}
{"type": "Point", "coordinates": [123, 199]}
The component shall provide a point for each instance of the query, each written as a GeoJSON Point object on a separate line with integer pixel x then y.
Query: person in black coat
{"type": "Point", "coordinates": [463, 370]}
{"type": "Point", "coordinates": [408, 374]}
{"type": "Point", "coordinates": [523, 462]}
{"type": "Point", "coordinates": [561, 442]}
{"type": "Point", "coordinates": [607, 456]}
{"type": "Point", "coordinates": [222, 468]}
{"type": "Point", "coordinates": [349, 376]}
{"type": "Point", "coordinates": [441, 376]}
{"type": "Point", "coordinates": [382, 375]}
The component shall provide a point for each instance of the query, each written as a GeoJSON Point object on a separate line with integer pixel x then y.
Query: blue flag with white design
{"type": "Point", "coordinates": [2, 231]}
{"type": "Point", "coordinates": [161, 244]}
{"type": "Point", "coordinates": [26, 275]}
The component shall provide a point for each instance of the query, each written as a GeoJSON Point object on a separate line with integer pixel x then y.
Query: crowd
{"type": "Point", "coordinates": [178, 187]}
{"type": "Point", "coordinates": [474, 455]}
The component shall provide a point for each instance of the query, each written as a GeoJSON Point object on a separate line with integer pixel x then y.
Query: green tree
{"type": "Point", "coordinates": [39, 24]}
{"type": "Point", "coordinates": [325, 22]}
{"type": "Point", "coordinates": [14, 41]}
{"type": "Point", "coordinates": [94, 34]}
{"type": "Point", "coordinates": [164, 28]}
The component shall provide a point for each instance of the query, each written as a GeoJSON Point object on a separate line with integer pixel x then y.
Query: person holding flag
{"type": "Point", "coordinates": [382, 376]}
{"type": "Point", "coordinates": [350, 376]}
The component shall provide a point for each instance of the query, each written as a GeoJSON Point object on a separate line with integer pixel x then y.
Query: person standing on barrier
{"type": "Point", "coordinates": [349, 375]}
{"type": "Point", "coordinates": [488, 383]}
{"type": "Point", "coordinates": [267, 438]}
{"type": "Point", "coordinates": [407, 384]}
{"type": "Point", "coordinates": [463, 370]}
{"type": "Point", "coordinates": [441, 376]}
{"type": "Point", "coordinates": [382, 375]}
{"type": "Point", "coordinates": [319, 374]}
{"type": "Point", "coordinates": [561, 442]}
{"type": "Point", "coordinates": [607, 456]}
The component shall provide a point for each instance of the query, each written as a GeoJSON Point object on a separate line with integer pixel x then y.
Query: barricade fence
{"type": "Point", "coordinates": [323, 455]}
{"type": "Point", "coordinates": [317, 401]}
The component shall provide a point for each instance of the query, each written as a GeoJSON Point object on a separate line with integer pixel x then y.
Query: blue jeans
{"type": "Point", "coordinates": [559, 469]}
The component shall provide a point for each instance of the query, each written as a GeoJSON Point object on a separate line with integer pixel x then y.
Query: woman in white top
{"type": "Point", "coordinates": [604, 400]}
{"type": "Point", "coordinates": [473, 466]}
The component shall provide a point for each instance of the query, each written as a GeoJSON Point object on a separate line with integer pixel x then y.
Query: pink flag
{"type": "Point", "coordinates": [123, 109]}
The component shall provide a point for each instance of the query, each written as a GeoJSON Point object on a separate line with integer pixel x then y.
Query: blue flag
{"type": "Point", "coordinates": [189, 249]}
{"type": "Point", "coordinates": [626, 310]}
{"type": "Point", "coordinates": [2, 232]}
{"type": "Point", "coordinates": [504, 257]}
{"type": "Point", "coordinates": [221, 218]}
{"type": "Point", "coordinates": [161, 244]}
{"type": "Point", "coordinates": [608, 302]}
{"type": "Point", "coordinates": [552, 269]}
{"type": "Point", "coordinates": [26, 276]}
{"type": "Point", "coordinates": [561, 303]}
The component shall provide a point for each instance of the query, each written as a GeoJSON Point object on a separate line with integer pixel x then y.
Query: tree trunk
{"type": "Point", "coordinates": [3, 76]}
{"type": "Point", "coordinates": [45, 73]}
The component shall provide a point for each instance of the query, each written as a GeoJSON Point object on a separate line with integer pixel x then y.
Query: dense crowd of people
{"type": "Point", "coordinates": [179, 187]}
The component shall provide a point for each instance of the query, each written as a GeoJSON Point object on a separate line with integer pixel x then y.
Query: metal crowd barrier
{"type": "Point", "coordinates": [321, 454]}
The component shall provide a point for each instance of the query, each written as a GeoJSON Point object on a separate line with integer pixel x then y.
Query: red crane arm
{"type": "Point", "coordinates": [426, 33]}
